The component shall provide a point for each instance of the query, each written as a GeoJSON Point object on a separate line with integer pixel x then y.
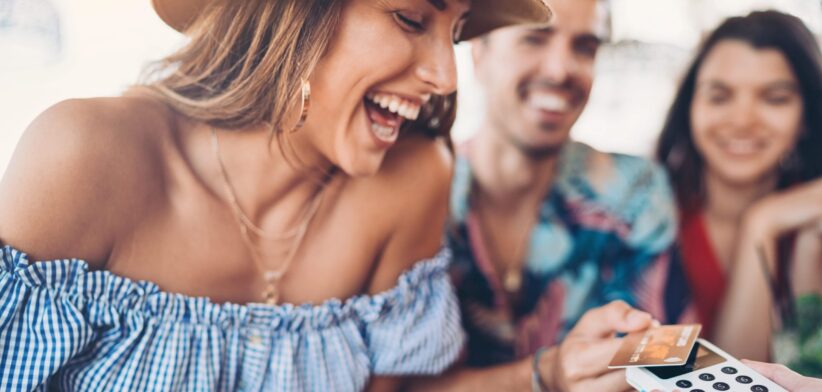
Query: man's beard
{"type": "Point", "coordinates": [538, 153]}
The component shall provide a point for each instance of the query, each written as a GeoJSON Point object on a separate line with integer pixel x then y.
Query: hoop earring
{"type": "Point", "coordinates": [304, 105]}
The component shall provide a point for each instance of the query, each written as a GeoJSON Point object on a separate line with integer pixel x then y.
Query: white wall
{"type": "Point", "coordinates": [107, 42]}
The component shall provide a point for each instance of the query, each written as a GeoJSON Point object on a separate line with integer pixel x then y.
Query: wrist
{"type": "Point", "coordinates": [542, 366]}
{"type": "Point", "coordinates": [757, 229]}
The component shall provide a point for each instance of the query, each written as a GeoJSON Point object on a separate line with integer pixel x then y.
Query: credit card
{"type": "Point", "coordinates": [667, 345]}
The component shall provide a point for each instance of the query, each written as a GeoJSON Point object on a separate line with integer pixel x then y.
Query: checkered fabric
{"type": "Point", "coordinates": [63, 327]}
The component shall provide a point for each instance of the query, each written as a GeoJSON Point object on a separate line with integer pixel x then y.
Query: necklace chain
{"type": "Point", "coordinates": [512, 274]}
{"type": "Point", "coordinates": [271, 276]}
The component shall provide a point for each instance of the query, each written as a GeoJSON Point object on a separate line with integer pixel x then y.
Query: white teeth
{"type": "Point", "coordinates": [549, 102]}
{"type": "Point", "coordinates": [384, 101]}
{"type": "Point", "coordinates": [403, 109]}
{"type": "Point", "coordinates": [741, 146]}
{"type": "Point", "coordinates": [385, 133]}
{"type": "Point", "coordinates": [396, 104]}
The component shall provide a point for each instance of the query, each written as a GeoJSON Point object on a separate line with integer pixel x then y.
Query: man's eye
{"type": "Point", "coordinates": [408, 23]}
{"type": "Point", "coordinates": [587, 49]}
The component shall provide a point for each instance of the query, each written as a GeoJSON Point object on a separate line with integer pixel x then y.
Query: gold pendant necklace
{"type": "Point", "coordinates": [272, 277]}
{"type": "Point", "coordinates": [512, 280]}
{"type": "Point", "coordinates": [511, 277]}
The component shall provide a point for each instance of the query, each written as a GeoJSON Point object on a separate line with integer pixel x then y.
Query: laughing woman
{"type": "Point", "coordinates": [290, 153]}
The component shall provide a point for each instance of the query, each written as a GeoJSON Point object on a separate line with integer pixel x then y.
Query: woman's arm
{"type": "Point", "coordinates": [514, 376]}
{"type": "Point", "coordinates": [64, 195]}
{"type": "Point", "coordinates": [807, 261]}
{"type": "Point", "coordinates": [412, 189]}
{"type": "Point", "coordinates": [744, 324]}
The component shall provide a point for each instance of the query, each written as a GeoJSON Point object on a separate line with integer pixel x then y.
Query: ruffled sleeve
{"type": "Point", "coordinates": [69, 328]}
{"type": "Point", "coordinates": [417, 330]}
{"type": "Point", "coordinates": [41, 328]}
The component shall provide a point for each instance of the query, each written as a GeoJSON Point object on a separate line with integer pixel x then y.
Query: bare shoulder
{"type": "Point", "coordinates": [77, 171]}
{"type": "Point", "coordinates": [416, 169]}
{"type": "Point", "coordinates": [413, 186]}
{"type": "Point", "coordinates": [420, 163]}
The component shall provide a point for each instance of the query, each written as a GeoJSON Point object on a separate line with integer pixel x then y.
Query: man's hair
{"type": "Point", "coordinates": [603, 6]}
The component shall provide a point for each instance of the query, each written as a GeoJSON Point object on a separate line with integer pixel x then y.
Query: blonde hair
{"type": "Point", "coordinates": [245, 63]}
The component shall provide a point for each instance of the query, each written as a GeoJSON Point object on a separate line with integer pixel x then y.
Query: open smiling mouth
{"type": "Point", "coordinates": [742, 146]}
{"type": "Point", "coordinates": [387, 112]}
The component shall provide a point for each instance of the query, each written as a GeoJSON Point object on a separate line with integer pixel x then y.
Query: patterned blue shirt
{"type": "Point", "coordinates": [592, 244]}
{"type": "Point", "coordinates": [63, 327]}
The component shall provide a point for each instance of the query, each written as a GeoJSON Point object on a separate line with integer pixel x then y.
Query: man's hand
{"type": "Point", "coordinates": [580, 363]}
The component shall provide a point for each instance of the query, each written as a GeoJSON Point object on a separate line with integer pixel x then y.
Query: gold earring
{"type": "Point", "coordinates": [304, 105]}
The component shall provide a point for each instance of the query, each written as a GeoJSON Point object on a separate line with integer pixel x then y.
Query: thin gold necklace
{"type": "Point", "coordinates": [272, 276]}
{"type": "Point", "coordinates": [246, 223]}
{"type": "Point", "coordinates": [512, 275]}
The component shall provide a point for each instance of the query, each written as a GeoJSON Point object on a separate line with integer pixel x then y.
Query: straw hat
{"type": "Point", "coordinates": [486, 15]}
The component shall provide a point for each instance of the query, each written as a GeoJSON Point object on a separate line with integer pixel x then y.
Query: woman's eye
{"type": "Point", "coordinates": [778, 100]}
{"type": "Point", "coordinates": [717, 99]}
{"type": "Point", "coordinates": [408, 22]}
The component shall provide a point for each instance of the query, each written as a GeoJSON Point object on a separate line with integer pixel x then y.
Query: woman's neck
{"type": "Point", "coordinates": [261, 170]}
{"type": "Point", "coordinates": [727, 202]}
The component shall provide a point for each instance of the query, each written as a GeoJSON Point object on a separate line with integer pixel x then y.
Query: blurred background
{"type": "Point", "coordinates": [51, 50]}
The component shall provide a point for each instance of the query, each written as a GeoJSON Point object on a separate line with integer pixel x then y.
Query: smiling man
{"type": "Point", "coordinates": [543, 228]}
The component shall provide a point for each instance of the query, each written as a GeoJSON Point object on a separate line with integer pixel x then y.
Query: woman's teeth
{"type": "Point", "coordinates": [396, 104]}
{"type": "Point", "coordinates": [381, 131]}
{"type": "Point", "coordinates": [741, 147]}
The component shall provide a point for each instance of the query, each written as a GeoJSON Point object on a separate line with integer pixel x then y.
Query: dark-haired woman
{"type": "Point", "coordinates": [743, 147]}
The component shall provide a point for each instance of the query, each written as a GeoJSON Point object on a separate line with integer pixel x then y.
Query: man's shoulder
{"type": "Point", "coordinates": [613, 174]}
{"type": "Point", "coordinates": [615, 164]}
{"type": "Point", "coordinates": [631, 188]}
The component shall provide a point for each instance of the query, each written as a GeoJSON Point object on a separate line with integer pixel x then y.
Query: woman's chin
{"type": "Point", "coordinates": [744, 176]}
{"type": "Point", "coordinates": [362, 166]}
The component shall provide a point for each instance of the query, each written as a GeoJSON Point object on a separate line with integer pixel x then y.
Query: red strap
{"type": "Point", "coordinates": [705, 275]}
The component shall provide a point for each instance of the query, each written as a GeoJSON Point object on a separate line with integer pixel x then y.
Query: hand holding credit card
{"type": "Point", "coordinates": [667, 345]}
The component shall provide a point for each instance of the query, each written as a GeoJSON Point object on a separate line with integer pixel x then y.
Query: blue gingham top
{"type": "Point", "coordinates": [63, 327]}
